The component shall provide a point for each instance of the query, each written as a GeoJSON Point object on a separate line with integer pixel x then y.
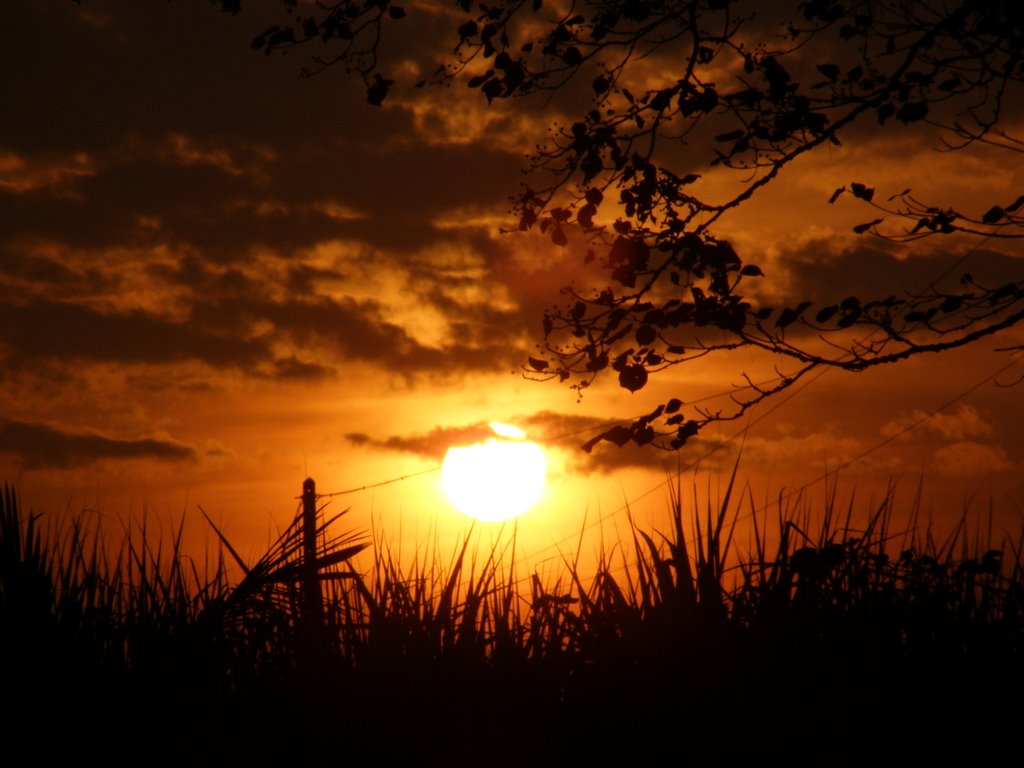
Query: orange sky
{"type": "Point", "coordinates": [219, 278]}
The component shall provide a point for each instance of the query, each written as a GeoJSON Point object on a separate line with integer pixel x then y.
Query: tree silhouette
{"type": "Point", "coordinates": [738, 92]}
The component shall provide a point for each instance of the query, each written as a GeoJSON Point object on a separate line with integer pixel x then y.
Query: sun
{"type": "Point", "coordinates": [496, 479]}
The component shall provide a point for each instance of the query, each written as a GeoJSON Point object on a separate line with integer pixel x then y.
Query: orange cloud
{"type": "Point", "coordinates": [972, 459]}
{"type": "Point", "coordinates": [20, 174]}
{"type": "Point", "coordinates": [962, 424]}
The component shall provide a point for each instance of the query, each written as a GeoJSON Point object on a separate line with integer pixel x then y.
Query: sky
{"type": "Point", "coordinates": [219, 278]}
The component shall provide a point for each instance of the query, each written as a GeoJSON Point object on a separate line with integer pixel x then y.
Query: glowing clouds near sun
{"type": "Point", "coordinates": [496, 479]}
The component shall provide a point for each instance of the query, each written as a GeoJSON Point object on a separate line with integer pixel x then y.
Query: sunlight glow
{"type": "Point", "coordinates": [496, 479]}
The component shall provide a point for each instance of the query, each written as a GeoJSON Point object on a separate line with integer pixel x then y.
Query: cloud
{"type": "Point", "coordinates": [185, 150]}
{"type": "Point", "coordinates": [565, 432]}
{"type": "Point", "coordinates": [20, 174]}
{"type": "Point", "coordinates": [874, 269]}
{"type": "Point", "coordinates": [972, 459]}
{"type": "Point", "coordinates": [962, 424]}
{"type": "Point", "coordinates": [40, 445]}
{"type": "Point", "coordinates": [431, 445]}
{"type": "Point", "coordinates": [40, 330]}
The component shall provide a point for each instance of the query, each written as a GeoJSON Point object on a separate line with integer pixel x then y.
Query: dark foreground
{"type": "Point", "coordinates": [826, 651]}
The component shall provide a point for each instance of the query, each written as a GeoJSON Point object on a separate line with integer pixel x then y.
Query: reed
{"type": "Point", "coordinates": [846, 639]}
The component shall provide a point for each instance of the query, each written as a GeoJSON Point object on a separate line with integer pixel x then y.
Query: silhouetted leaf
{"type": "Point", "coordinates": [618, 435]}
{"type": "Point", "coordinates": [378, 90]}
{"type": "Point", "coordinates": [572, 56]}
{"type": "Point", "coordinates": [476, 82]}
{"type": "Point", "coordinates": [645, 335]}
{"type": "Point", "coordinates": [633, 377]}
{"type": "Point", "coordinates": [912, 111]}
{"type": "Point", "coordinates": [790, 315]}
{"type": "Point", "coordinates": [993, 214]}
{"type": "Point", "coordinates": [861, 228]}
{"type": "Point", "coordinates": [751, 270]}
{"type": "Point", "coordinates": [831, 71]}
{"type": "Point", "coordinates": [492, 89]}
{"type": "Point", "coordinates": [673, 405]}
{"type": "Point", "coordinates": [1012, 207]}
{"type": "Point", "coordinates": [826, 313]}
{"type": "Point", "coordinates": [537, 364]}
{"type": "Point", "coordinates": [861, 191]}
{"type": "Point", "coordinates": [951, 304]}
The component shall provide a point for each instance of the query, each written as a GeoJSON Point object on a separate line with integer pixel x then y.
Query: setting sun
{"type": "Point", "coordinates": [496, 479]}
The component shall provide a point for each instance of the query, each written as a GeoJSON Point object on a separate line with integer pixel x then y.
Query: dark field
{"type": "Point", "coordinates": [840, 645]}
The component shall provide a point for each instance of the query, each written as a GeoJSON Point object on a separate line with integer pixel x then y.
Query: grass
{"type": "Point", "coordinates": [826, 641]}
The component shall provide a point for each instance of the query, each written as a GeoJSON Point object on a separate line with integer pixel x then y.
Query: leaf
{"type": "Point", "coordinates": [645, 335]}
{"type": "Point", "coordinates": [790, 315]}
{"type": "Point", "coordinates": [585, 215]}
{"type": "Point", "coordinates": [951, 304]}
{"type": "Point", "coordinates": [751, 270]}
{"type": "Point", "coordinates": [861, 191]}
{"type": "Point", "coordinates": [633, 377]}
{"type": "Point", "coordinates": [673, 405]}
{"type": "Point", "coordinates": [836, 194]}
{"type": "Point", "coordinates": [826, 313]}
{"type": "Point", "coordinates": [912, 111]}
{"type": "Point", "coordinates": [1012, 207]}
{"type": "Point", "coordinates": [396, 12]}
{"type": "Point", "coordinates": [378, 90]}
{"type": "Point", "coordinates": [476, 82]}
{"type": "Point", "coordinates": [861, 228]}
{"type": "Point", "coordinates": [558, 237]}
{"type": "Point", "coordinates": [492, 89]}
{"type": "Point", "coordinates": [572, 56]}
{"type": "Point", "coordinates": [992, 215]}
{"type": "Point", "coordinates": [618, 435]}
{"type": "Point", "coordinates": [537, 364]}
{"type": "Point", "coordinates": [831, 71]}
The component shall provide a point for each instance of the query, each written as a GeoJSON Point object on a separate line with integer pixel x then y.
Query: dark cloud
{"type": "Point", "coordinates": [550, 429]}
{"type": "Point", "coordinates": [207, 149]}
{"type": "Point", "coordinates": [431, 445]}
{"type": "Point", "coordinates": [198, 133]}
{"type": "Point", "coordinates": [22, 273]}
{"type": "Point", "coordinates": [40, 445]}
{"type": "Point", "coordinates": [875, 270]}
{"type": "Point", "coordinates": [62, 331]}
{"type": "Point", "coordinates": [298, 370]}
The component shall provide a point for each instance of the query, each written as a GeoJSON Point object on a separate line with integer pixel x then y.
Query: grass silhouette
{"type": "Point", "coordinates": [832, 644]}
